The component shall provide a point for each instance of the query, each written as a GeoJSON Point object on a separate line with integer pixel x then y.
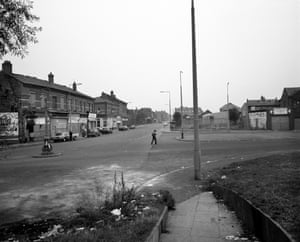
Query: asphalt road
{"type": "Point", "coordinates": [37, 186]}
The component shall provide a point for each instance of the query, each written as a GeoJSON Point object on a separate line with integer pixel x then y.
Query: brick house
{"type": "Point", "coordinates": [290, 99]}
{"type": "Point", "coordinates": [256, 114]}
{"type": "Point", "coordinates": [111, 111]}
{"type": "Point", "coordinates": [35, 99]}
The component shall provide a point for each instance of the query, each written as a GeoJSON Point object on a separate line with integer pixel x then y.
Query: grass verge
{"type": "Point", "coordinates": [121, 215]}
{"type": "Point", "coordinates": [271, 183]}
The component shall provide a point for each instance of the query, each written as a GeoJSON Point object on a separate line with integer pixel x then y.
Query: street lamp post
{"type": "Point", "coordinates": [228, 123]}
{"type": "Point", "coordinates": [181, 107]}
{"type": "Point", "coordinates": [170, 114]}
{"type": "Point", "coordinates": [197, 164]}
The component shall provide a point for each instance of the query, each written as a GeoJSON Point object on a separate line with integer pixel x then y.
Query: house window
{"type": "Point", "coordinates": [62, 103]}
{"type": "Point", "coordinates": [76, 104]}
{"type": "Point", "coordinates": [43, 100]}
{"type": "Point", "coordinates": [54, 102]}
{"type": "Point", "coordinates": [32, 98]}
{"type": "Point", "coordinates": [80, 106]}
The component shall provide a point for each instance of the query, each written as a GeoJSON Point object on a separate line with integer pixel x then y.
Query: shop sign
{"type": "Point", "coordinates": [280, 111]}
{"type": "Point", "coordinates": [92, 116]}
{"type": "Point", "coordinates": [9, 125]}
{"type": "Point", "coordinates": [39, 121]}
{"type": "Point", "coordinates": [82, 120]}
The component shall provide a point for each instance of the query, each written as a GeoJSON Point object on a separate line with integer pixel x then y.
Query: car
{"type": "Point", "coordinates": [123, 128]}
{"type": "Point", "coordinates": [93, 133]}
{"type": "Point", "coordinates": [105, 130]}
{"type": "Point", "coordinates": [132, 127]}
{"type": "Point", "coordinates": [60, 136]}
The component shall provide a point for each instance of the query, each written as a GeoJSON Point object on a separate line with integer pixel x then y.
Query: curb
{"type": "Point", "coordinates": [184, 140]}
{"type": "Point", "coordinates": [159, 228]}
{"type": "Point", "coordinates": [261, 224]}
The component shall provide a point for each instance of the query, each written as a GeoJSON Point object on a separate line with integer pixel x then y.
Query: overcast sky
{"type": "Point", "coordinates": [138, 47]}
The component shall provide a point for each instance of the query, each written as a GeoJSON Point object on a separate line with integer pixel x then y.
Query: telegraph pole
{"type": "Point", "coordinates": [197, 165]}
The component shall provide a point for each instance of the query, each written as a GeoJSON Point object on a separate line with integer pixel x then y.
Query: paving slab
{"type": "Point", "coordinates": [202, 218]}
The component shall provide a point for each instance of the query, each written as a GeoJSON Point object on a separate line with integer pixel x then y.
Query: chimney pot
{"type": "Point", "coordinates": [51, 78]}
{"type": "Point", "coordinates": [74, 86]}
{"type": "Point", "coordinates": [7, 67]}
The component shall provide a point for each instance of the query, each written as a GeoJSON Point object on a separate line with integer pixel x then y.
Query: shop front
{"type": "Point", "coordinates": [92, 121]}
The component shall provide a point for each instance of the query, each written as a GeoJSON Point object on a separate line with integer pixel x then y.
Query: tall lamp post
{"type": "Point", "coordinates": [197, 165]}
{"type": "Point", "coordinates": [228, 123]}
{"type": "Point", "coordinates": [181, 106]}
{"type": "Point", "coordinates": [170, 115]}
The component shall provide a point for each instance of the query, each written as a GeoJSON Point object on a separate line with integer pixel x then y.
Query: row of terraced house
{"type": "Point", "coordinates": [31, 107]}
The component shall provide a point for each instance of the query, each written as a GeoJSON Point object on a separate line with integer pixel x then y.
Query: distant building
{"type": "Point", "coordinates": [34, 99]}
{"type": "Point", "coordinates": [290, 102]}
{"type": "Point", "coordinates": [188, 111]}
{"type": "Point", "coordinates": [111, 111]}
{"type": "Point", "coordinates": [144, 116]}
{"type": "Point", "coordinates": [188, 116]}
{"type": "Point", "coordinates": [161, 116]}
{"type": "Point", "coordinates": [217, 120]}
{"type": "Point", "coordinates": [256, 114]}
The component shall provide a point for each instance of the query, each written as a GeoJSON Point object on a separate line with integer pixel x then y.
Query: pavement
{"type": "Point", "coordinates": [198, 216]}
{"type": "Point", "coordinates": [202, 218]}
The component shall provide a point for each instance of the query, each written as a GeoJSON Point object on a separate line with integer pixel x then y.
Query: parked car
{"type": "Point", "coordinates": [60, 136]}
{"type": "Point", "coordinates": [132, 127]}
{"type": "Point", "coordinates": [123, 128]}
{"type": "Point", "coordinates": [93, 133]}
{"type": "Point", "coordinates": [105, 130]}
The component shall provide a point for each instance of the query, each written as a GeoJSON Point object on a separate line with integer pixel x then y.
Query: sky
{"type": "Point", "coordinates": [137, 48]}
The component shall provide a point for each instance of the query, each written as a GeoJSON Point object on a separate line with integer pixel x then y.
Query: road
{"type": "Point", "coordinates": [32, 187]}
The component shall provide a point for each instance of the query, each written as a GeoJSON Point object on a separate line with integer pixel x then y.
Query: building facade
{"type": "Point", "coordinates": [257, 114]}
{"type": "Point", "coordinates": [44, 107]}
{"type": "Point", "coordinates": [290, 102]}
{"type": "Point", "coordinates": [111, 111]}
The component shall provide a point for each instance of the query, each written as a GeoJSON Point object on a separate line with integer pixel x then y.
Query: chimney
{"type": "Point", "coordinates": [74, 86]}
{"type": "Point", "coordinates": [112, 93]}
{"type": "Point", "coordinates": [7, 67]}
{"type": "Point", "coordinates": [51, 78]}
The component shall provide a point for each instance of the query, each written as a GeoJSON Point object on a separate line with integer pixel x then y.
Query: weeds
{"type": "Point", "coordinates": [119, 215]}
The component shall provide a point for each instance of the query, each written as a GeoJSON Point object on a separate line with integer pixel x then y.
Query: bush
{"type": "Point", "coordinates": [167, 199]}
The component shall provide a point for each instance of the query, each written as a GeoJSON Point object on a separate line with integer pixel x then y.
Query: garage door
{"type": "Point", "coordinates": [280, 123]}
{"type": "Point", "coordinates": [297, 123]}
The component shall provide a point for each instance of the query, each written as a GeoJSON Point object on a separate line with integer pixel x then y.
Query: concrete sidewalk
{"type": "Point", "coordinates": [202, 218]}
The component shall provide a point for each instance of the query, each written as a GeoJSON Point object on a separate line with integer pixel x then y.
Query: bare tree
{"type": "Point", "coordinates": [16, 27]}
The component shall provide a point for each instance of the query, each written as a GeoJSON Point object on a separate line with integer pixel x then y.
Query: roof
{"type": "Point", "coordinates": [291, 90]}
{"type": "Point", "coordinates": [43, 83]}
{"type": "Point", "coordinates": [259, 102]}
{"type": "Point", "coordinates": [106, 98]}
{"type": "Point", "coordinates": [101, 100]}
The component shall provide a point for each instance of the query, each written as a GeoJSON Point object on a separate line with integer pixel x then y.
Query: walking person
{"type": "Point", "coordinates": [154, 140]}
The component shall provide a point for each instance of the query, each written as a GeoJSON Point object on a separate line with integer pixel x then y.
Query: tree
{"type": "Point", "coordinates": [141, 117]}
{"type": "Point", "coordinates": [234, 115]}
{"type": "Point", "coordinates": [177, 119]}
{"type": "Point", "coordinates": [16, 29]}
